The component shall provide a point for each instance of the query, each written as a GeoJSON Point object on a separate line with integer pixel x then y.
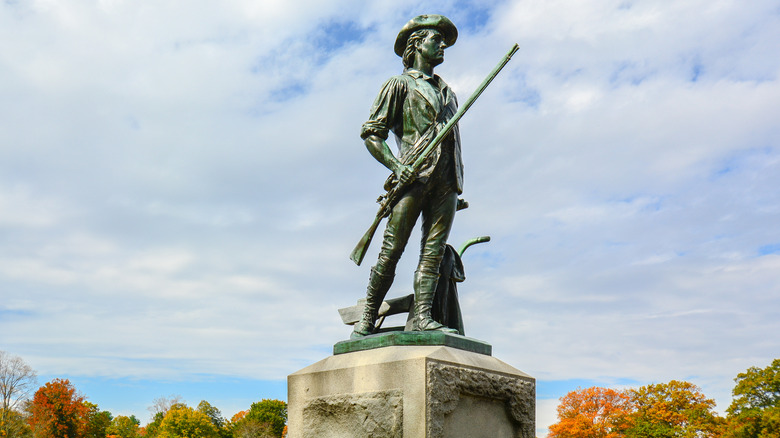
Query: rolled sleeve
{"type": "Point", "coordinates": [387, 110]}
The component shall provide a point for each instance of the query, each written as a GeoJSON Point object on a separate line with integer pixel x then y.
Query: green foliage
{"type": "Point", "coordinates": [248, 428]}
{"type": "Point", "coordinates": [673, 410]}
{"type": "Point", "coordinates": [271, 412]}
{"type": "Point", "coordinates": [124, 427]}
{"type": "Point", "coordinates": [216, 418]}
{"type": "Point", "coordinates": [97, 421]}
{"type": "Point", "coordinates": [153, 428]}
{"type": "Point", "coordinates": [212, 412]}
{"type": "Point", "coordinates": [185, 422]}
{"type": "Point", "coordinates": [14, 425]}
{"type": "Point", "coordinates": [755, 409]}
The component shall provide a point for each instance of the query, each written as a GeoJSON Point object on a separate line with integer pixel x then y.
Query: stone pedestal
{"type": "Point", "coordinates": [404, 389]}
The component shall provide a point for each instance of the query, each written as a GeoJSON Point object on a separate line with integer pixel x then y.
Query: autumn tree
{"type": "Point", "coordinates": [673, 410]}
{"type": "Point", "coordinates": [97, 421]}
{"type": "Point", "coordinates": [58, 411]}
{"type": "Point", "coordinates": [185, 422]}
{"type": "Point", "coordinates": [238, 416]}
{"type": "Point", "coordinates": [592, 413]}
{"type": "Point", "coordinates": [17, 382]}
{"type": "Point", "coordinates": [242, 427]}
{"type": "Point", "coordinates": [15, 426]}
{"type": "Point", "coordinates": [216, 418]}
{"type": "Point", "coordinates": [271, 412]}
{"type": "Point", "coordinates": [153, 428]}
{"type": "Point", "coordinates": [248, 428]}
{"type": "Point", "coordinates": [124, 427]}
{"type": "Point", "coordinates": [161, 405]}
{"type": "Point", "coordinates": [755, 409]}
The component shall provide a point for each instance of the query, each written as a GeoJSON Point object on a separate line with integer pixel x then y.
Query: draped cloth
{"type": "Point", "coordinates": [446, 306]}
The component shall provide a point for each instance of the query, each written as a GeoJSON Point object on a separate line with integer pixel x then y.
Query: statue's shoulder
{"type": "Point", "coordinates": [402, 83]}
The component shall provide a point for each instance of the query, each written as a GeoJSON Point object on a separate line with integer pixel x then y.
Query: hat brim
{"type": "Point", "coordinates": [438, 22]}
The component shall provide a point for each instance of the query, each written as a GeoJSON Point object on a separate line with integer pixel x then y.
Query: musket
{"type": "Point", "coordinates": [387, 201]}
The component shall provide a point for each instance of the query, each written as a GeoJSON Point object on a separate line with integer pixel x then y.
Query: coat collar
{"type": "Point", "coordinates": [437, 101]}
{"type": "Point", "coordinates": [417, 74]}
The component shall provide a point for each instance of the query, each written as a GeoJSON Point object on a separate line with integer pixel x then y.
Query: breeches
{"type": "Point", "coordinates": [437, 204]}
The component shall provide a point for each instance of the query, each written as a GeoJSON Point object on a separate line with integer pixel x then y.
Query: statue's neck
{"type": "Point", "coordinates": [423, 66]}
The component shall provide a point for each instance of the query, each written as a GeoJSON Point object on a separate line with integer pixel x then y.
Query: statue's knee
{"type": "Point", "coordinates": [429, 264]}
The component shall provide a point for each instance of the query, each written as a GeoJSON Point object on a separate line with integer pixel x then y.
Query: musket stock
{"type": "Point", "coordinates": [360, 249]}
{"type": "Point", "coordinates": [394, 194]}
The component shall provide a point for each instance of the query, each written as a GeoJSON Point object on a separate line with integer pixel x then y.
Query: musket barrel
{"type": "Point", "coordinates": [465, 107]}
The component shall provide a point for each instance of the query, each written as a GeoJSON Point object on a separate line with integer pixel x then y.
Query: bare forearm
{"type": "Point", "coordinates": [381, 151]}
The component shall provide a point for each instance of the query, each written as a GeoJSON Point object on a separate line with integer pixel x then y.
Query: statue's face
{"type": "Point", "coordinates": [431, 47]}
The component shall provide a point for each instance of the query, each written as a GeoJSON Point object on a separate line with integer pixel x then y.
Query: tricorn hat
{"type": "Point", "coordinates": [438, 22]}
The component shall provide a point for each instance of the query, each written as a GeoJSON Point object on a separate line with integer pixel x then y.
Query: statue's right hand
{"type": "Point", "coordinates": [404, 174]}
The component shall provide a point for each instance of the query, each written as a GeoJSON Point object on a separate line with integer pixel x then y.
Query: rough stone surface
{"type": "Point", "coordinates": [480, 418]}
{"type": "Point", "coordinates": [376, 415]}
{"type": "Point", "coordinates": [411, 392]}
{"type": "Point", "coordinates": [449, 384]}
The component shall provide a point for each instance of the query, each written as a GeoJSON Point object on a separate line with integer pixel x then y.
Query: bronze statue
{"type": "Point", "coordinates": [409, 105]}
{"type": "Point", "coordinates": [422, 112]}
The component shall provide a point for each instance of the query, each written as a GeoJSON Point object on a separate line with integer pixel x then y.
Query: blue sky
{"type": "Point", "coordinates": [181, 184]}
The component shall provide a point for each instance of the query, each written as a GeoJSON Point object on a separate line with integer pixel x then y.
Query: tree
{"type": "Point", "coordinates": [248, 428]}
{"type": "Point", "coordinates": [15, 426]}
{"type": "Point", "coordinates": [97, 421]}
{"type": "Point", "coordinates": [755, 410]}
{"type": "Point", "coordinates": [242, 427]}
{"type": "Point", "coordinates": [212, 412]}
{"type": "Point", "coordinates": [124, 427]}
{"type": "Point", "coordinates": [58, 411]}
{"type": "Point", "coordinates": [161, 405]}
{"type": "Point", "coordinates": [17, 382]}
{"type": "Point", "coordinates": [592, 413]}
{"type": "Point", "coordinates": [238, 416]}
{"type": "Point", "coordinates": [673, 410]}
{"type": "Point", "coordinates": [185, 422]}
{"type": "Point", "coordinates": [216, 418]}
{"type": "Point", "coordinates": [153, 428]}
{"type": "Point", "coordinates": [272, 412]}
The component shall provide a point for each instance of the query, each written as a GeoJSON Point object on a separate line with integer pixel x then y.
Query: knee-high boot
{"type": "Point", "coordinates": [378, 285]}
{"type": "Point", "coordinates": [424, 289]}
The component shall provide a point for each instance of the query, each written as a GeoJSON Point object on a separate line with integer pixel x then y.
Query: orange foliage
{"type": "Point", "coordinates": [238, 416]}
{"type": "Point", "coordinates": [58, 411]}
{"type": "Point", "coordinates": [593, 413]}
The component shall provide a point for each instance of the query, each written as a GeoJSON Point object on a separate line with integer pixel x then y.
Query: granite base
{"type": "Point", "coordinates": [412, 391]}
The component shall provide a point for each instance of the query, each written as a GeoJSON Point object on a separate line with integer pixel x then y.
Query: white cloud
{"type": "Point", "coordinates": [181, 184]}
{"type": "Point", "coordinates": [545, 415]}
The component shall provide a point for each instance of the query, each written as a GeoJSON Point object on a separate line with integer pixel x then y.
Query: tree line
{"type": "Point", "coordinates": [677, 409]}
{"type": "Point", "coordinates": [58, 410]}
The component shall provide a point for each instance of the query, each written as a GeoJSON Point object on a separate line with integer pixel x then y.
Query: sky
{"type": "Point", "coordinates": [181, 184]}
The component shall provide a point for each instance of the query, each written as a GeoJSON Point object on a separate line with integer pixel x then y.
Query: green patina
{"type": "Point", "coordinates": [413, 338]}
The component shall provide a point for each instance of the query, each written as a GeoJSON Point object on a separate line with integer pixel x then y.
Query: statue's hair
{"type": "Point", "coordinates": [408, 58]}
